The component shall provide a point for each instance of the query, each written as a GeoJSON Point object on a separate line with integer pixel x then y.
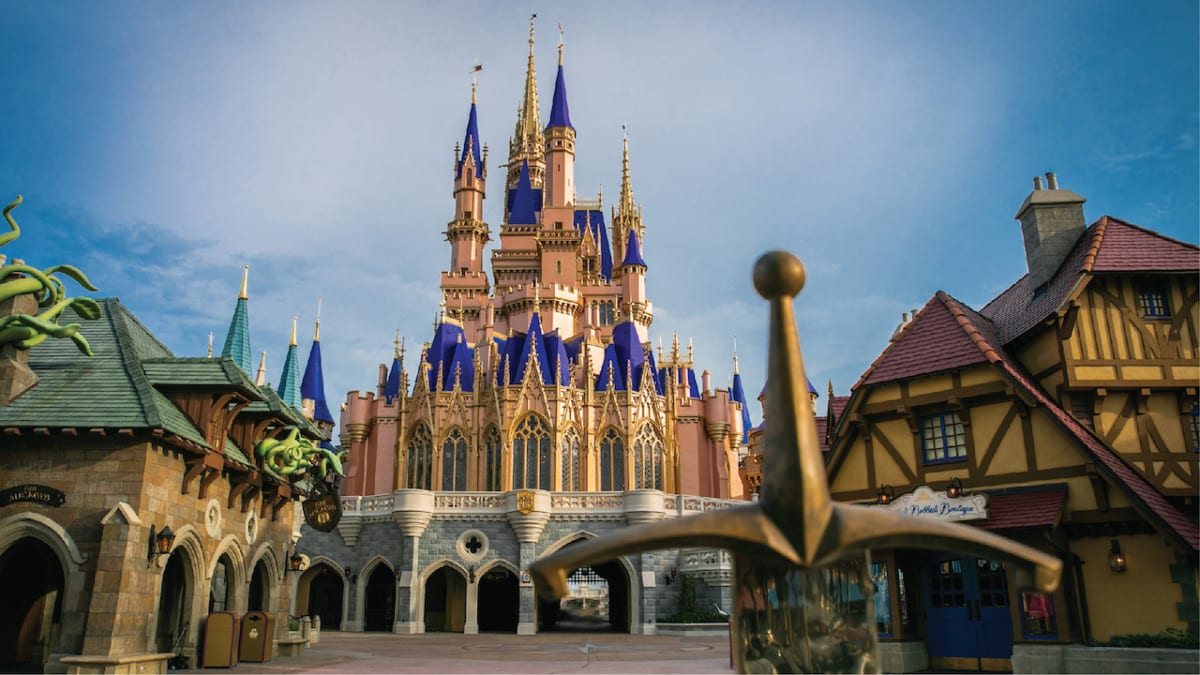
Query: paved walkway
{"type": "Point", "coordinates": [498, 653]}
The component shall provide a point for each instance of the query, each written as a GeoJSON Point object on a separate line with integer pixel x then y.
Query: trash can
{"type": "Point", "coordinates": [220, 641]}
{"type": "Point", "coordinates": [258, 637]}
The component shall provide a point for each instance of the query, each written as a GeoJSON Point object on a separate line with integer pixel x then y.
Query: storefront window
{"type": "Point", "coordinates": [1037, 616]}
{"type": "Point", "coordinates": [883, 599]}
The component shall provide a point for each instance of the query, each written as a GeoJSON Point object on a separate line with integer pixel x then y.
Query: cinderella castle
{"type": "Point", "coordinates": [538, 415]}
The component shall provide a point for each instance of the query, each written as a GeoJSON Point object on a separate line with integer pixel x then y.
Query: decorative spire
{"type": "Point", "coordinates": [735, 365]}
{"type": "Point", "coordinates": [210, 338]}
{"type": "Point", "coordinates": [312, 386]}
{"type": "Point", "coordinates": [260, 380]}
{"type": "Point", "coordinates": [560, 115]}
{"type": "Point", "coordinates": [625, 204]}
{"type": "Point", "coordinates": [396, 345]}
{"type": "Point", "coordinates": [317, 331]}
{"type": "Point", "coordinates": [528, 134]}
{"type": "Point", "coordinates": [470, 145]}
{"type": "Point", "coordinates": [289, 379]}
{"type": "Point", "coordinates": [633, 253]}
{"type": "Point", "coordinates": [237, 340]}
{"type": "Point", "coordinates": [292, 342]}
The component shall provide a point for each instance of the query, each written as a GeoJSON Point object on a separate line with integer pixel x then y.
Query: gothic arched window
{"type": "Point", "coordinates": [493, 475]}
{"type": "Point", "coordinates": [647, 459]}
{"type": "Point", "coordinates": [569, 458]}
{"type": "Point", "coordinates": [531, 454]}
{"type": "Point", "coordinates": [420, 458]}
{"type": "Point", "coordinates": [612, 461]}
{"type": "Point", "coordinates": [454, 462]}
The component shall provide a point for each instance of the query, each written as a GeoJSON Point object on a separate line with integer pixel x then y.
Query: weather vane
{"type": "Point", "coordinates": [801, 560]}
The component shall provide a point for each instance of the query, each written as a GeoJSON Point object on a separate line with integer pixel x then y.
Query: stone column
{"type": "Point", "coordinates": [124, 593]}
{"type": "Point", "coordinates": [15, 376]}
{"type": "Point", "coordinates": [649, 595]}
{"type": "Point", "coordinates": [527, 511]}
{"type": "Point", "coordinates": [411, 510]}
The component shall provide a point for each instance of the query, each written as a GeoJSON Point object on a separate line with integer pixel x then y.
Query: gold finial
{"type": "Point", "coordinates": [625, 205]}
{"type": "Point", "coordinates": [396, 345]}
{"type": "Point", "coordinates": [400, 353]}
{"type": "Point", "coordinates": [261, 379]}
{"type": "Point", "coordinates": [531, 18]}
{"type": "Point", "coordinates": [317, 332]}
{"type": "Point", "coordinates": [527, 136]}
{"type": "Point", "coordinates": [735, 367]}
{"type": "Point", "coordinates": [474, 88]}
{"type": "Point", "coordinates": [537, 297]}
{"type": "Point", "coordinates": [245, 277]}
{"type": "Point", "coordinates": [292, 342]}
{"type": "Point", "coordinates": [441, 316]}
{"type": "Point", "coordinates": [560, 43]}
{"type": "Point", "coordinates": [210, 337]}
{"type": "Point", "coordinates": [831, 389]}
{"type": "Point", "coordinates": [690, 351]}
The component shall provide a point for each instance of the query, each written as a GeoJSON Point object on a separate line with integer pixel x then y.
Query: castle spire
{"type": "Point", "coordinates": [312, 386]}
{"type": "Point", "coordinates": [526, 143]}
{"type": "Point", "coordinates": [237, 340]}
{"type": "Point", "coordinates": [260, 379]}
{"type": "Point", "coordinates": [470, 145]}
{"type": "Point", "coordinates": [625, 204]}
{"type": "Point", "coordinates": [289, 387]}
{"type": "Point", "coordinates": [560, 115]}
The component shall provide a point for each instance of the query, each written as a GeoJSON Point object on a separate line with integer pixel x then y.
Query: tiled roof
{"type": "Point", "coordinates": [1109, 245]}
{"type": "Point", "coordinates": [1041, 507]}
{"type": "Point", "coordinates": [1154, 505]}
{"type": "Point", "coordinates": [822, 434]}
{"type": "Point", "coordinates": [933, 341]}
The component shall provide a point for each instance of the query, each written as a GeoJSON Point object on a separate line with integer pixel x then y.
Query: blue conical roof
{"type": "Point", "coordinates": [534, 342]}
{"type": "Point", "coordinates": [471, 145]}
{"type": "Point", "coordinates": [560, 116]}
{"type": "Point", "coordinates": [391, 388]}
{"type": "Point", "coordinates": [525, 202]}
{"type": "Point", "coordinates": [313, 385]}
{"type": "Point", "coordinates": [738, 394]}
{"type": "Point", "coordinates": [237, 340]}
{"type": "Point", "coordinates": [633, 252]}
{"type": "Point", "coordinates": [289, 380]}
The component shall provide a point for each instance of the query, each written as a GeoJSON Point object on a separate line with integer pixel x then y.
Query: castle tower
{"type": "Point", "coordinates": [289, 379]}
{"type": "Point", "coordinates": [626, 216]}
{"type": "Point", "coordinates": [465, 285]}
{"type": "Point", "coordinates": [312, 387]}
{"type": "Point", "coordinates": [237, 340]}
{"type": "Point", "coordinates": [559, 186]}
{"type": "Point", "coordinates": [525, 146]}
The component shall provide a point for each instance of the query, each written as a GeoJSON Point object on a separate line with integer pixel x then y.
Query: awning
{"type": "Point", "coordinates": [1038, 507]}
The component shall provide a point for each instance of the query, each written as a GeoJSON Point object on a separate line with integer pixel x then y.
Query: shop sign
{"type": "Point", "coordinates": [39, 494]}
{"type": "Point", "coordinates": [323, 511]}
{"type": "Point", "coordinates": [925, 503]}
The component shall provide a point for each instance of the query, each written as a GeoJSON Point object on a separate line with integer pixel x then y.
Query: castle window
{"type": "Point", "coordinates": [493, 481]}
{"type": "Point", "coordinates": [454, 462]}
{"type": "Point", "coordinates": [1152, 300]}
{"type": "Point", "coordinates": [569, 459]}
{"type": "Point", "coordinates": [558, 224]}
{"type": "Point", "coordinates": [647, 459]}
{"type": "Point", "coordinates": [420, 459]}
{"type": "Point", "coordinates": [558, 266]}
{"type": "Point", "coordinates": [607, 313]}
{"type": "Point", "coordinates": [612, 461]}
{"type": "Point", "coordinates": [467, 215]}
{"type": "Point", "coordinates": [943, 438]}
{"type": "Point", "coordinates": [531, 454]}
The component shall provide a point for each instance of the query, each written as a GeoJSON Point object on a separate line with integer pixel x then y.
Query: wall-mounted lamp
{"type": "Point", "coordinates": [350, 575]}
{"type": "Point", "coordinates": [670, 575]}
{"type": "Point", "coordinates": [886, 494]}
{"type": "Point", "coordinates": [1116, 558]}
{"type": "Point", "coordinates": [160, 543]}
{"type": "Point", "coordinates": [955, 488]}
{"type": "Point", "coordinates": [295, 562]}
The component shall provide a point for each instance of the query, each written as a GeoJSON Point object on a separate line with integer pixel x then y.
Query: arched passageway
{"type": "Point", "coordinates": [220, 595]}
{"type": "Point", "coordinates": [379, 611]}
{"type": "Point", "coordinates": [324, 596]}
{"type": "Point", "coordinates": [259, 598]}
{"type": "Point", "coordinates": [598, 600]}
{"type": "Point", "coordinates": [31, 612]}
{"type": "Point", "coordinates": [498, 601]}
{"type": "Point", "coordinates": [174, 603]}
{"type": "Point", "coordinates": [445, 601]}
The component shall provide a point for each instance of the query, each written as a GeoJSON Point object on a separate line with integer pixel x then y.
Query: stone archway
{"type": "Point", "coordinates": [323, 591]}
{"type": "Point", "coordinates": [260, 595]}
{"type": "Point", "coordinates": [601, 599]}
{"type": "Point", "coordinates": [31, 613]}
{"type": "Point", "coordinates": [379, 602]}
{"type": "Point", "coordinates": [445, 607]}
{"type": "Point", "coordinates": [498, 601]}
{"type": "Point", "coordinates": [175, 602]}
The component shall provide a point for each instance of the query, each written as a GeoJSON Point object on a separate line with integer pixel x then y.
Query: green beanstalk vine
{"type": "Point", "coordinates": [293, 457]}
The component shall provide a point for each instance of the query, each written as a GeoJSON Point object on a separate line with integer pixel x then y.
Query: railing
{"type": "Point", "coordinates": [567, 502]}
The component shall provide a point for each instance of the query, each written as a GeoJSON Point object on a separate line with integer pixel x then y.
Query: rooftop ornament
{"type": "Point", "coordinates": [31, 301]}
{"type": "Point", "coordinates": [294, 457]}
{"type": "Point", "coordinates": [799, 557]}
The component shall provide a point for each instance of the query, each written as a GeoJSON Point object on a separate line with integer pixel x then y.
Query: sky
{"type": "Point", "coordinates": [161, 146]}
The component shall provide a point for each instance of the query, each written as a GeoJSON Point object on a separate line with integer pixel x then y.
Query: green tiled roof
{"type": "Point", "coordinates": [199, 373]}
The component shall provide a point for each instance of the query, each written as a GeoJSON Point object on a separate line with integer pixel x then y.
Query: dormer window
{"type": "Point", "coordinates": [1152, 300]}
{"type": "Point", "coordinates": [943, 438]}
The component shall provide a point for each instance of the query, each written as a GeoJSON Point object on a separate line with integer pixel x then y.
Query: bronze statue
{"type": "Point", "coordinates": [801, 561]}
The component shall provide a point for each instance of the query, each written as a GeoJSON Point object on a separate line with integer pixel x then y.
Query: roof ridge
{"type": "Point", "coordinates": [956, 307]}
{"type": "Point", "coordinates": [132, 363]}
{"type": "Point", "coordinates": [892, 342]}
{"type": "Point", "coordinates": [1089, 258]}
{"type": "Point", "coordinates": [1147, 230]}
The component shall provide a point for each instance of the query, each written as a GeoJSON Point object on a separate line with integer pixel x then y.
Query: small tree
{"type": "Point", "coordinates": [687, 605]}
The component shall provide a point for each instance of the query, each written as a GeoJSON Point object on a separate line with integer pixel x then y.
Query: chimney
{"type": "Point", "coordinates": [1051, 223]}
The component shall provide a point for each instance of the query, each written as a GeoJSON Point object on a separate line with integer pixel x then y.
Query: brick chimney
{"type": "Point", "coordinates": [1051, 223]}
{"type": "Point", "coordinates": [15, 376]}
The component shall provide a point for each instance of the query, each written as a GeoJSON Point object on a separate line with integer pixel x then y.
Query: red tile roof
{"type": "Point", "coordinates": [1109, 245]}
{"type": "Point", "coordinates": [1033, 508]}
{"type": "Point", "coordinates": [933, 341]}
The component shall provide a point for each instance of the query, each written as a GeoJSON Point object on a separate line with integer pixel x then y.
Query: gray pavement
{"type": "Point", "coordinates": [500, 653]}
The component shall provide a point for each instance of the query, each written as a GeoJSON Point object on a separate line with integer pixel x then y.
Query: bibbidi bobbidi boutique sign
{"type": "Point", "coordinates": [925, 503]}
{"type": "Point", "coordinates": [38, 494]}
{"type": "Point", "coordinates": [323, 510]}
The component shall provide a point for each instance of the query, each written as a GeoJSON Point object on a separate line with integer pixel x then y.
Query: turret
{"type": "Point", "coordinates": [526, 142]}
{"type": "Point", "coordinates": [467, 233]}
{"type": "Point", "coordinates": [237, 340]}
{"type": "Point", "coordinates": [627, 216]}
{"type": "Point", "coordinates": [312, 387]}
{"type": "Point", "coordinates": [559, 186]}
{"type": "Point", "coordinates": [633, 272]}
{"type": "Point", "coordinates": [289, 379]}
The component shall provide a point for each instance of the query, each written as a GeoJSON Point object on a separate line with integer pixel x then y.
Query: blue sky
{"type": "Point", "coordinates": [161, 146]}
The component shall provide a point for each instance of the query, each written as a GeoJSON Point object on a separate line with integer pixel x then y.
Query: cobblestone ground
{"type": "Point", "coordinates": [498, 653]}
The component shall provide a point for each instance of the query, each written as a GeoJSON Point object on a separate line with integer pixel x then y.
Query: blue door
{"type": "Point", "coordinates": [968, 624]}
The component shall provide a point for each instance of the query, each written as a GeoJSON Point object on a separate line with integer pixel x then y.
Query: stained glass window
{"type": "Point", "coordinates": [569, 458]}
{"type": "Point", "coordinates": [612, 461]}
{"type": "Point", "coordinates": [420, 459]}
